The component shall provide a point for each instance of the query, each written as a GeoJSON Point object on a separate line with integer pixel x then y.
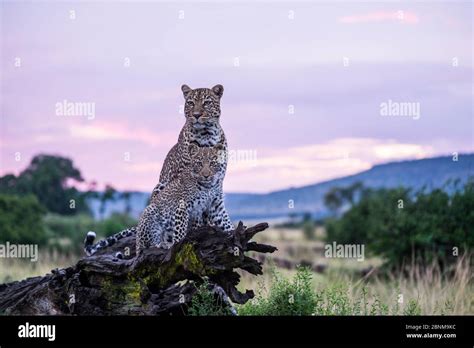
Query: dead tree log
{"type": "Point", "coordinates": [157, 282]}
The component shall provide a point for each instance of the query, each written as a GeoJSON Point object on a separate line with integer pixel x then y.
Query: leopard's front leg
{"type": "Point", "coordinates": [158, 188]}
{"type": "Point", "coordinates": [149, 228]}
{"type": "Point", "coordinates": [218, 215]}
{"type": "Point", "coordinates": [179, 226]}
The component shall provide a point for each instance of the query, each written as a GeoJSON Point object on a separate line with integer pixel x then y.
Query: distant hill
{"type": "Point", "coordinates": [431, 173]}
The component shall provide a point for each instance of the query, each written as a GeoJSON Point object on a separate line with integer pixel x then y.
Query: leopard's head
{"type": "Point", "coordinates": [207, 163]}
{"type": "Point", "coordinates": [202, 105]}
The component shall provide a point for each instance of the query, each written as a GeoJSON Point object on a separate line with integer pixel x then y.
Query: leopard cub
{"type": "Point", "coordinates": [185, 201]}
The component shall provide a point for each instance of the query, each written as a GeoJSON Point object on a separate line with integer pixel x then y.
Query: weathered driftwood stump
{"type": "Point", "coordinates": [158, 282]}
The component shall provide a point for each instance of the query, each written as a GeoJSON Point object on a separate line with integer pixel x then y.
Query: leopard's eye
{"type": "Point", "coordinates": [197, 167]}
{"type": "Point", "coordinates": [190, 103]}
{"type": "Point", "coordinates": [206, 103]}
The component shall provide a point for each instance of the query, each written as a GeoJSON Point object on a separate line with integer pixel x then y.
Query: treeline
{"type": "Point", "coordinates": [404, 227]}
{"type": "Point", "coordinates": [42, 206]}
{"type": "Point", "coordinates": [48, 178]}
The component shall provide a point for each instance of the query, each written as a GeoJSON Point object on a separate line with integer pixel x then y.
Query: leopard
{"type": "Point", "coordinates": [182, 204]}
{"type": "Point", "coordinates": [202, 128]}
{"type": "Point", "coordinates": [202, 112]}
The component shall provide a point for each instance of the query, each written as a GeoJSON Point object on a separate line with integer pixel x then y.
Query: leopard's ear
{"type": "Point", "coordinates": [186, 89]}
{"type": "Point", "coordinates": [218, 90]}
{"type": "Point", "coordinates": [219, 147]}
{"type": "Point", "coordinates": [193, 150]}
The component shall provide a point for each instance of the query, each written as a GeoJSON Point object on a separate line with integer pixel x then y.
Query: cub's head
{"type": "Point", "coordinates": [207, 163]}
{"type": "Point", "coordinates": [202, 106]}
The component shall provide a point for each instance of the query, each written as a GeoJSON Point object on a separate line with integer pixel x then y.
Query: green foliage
{"type": "Point", "coordinates": [404, 228]}
{"type": "Point", "coordinates": [21, 220]}
{"type": "Point", "coordinates": [412, 308]}
{"type": "Point", "coordinates": [337, 197]}
{"type": "Point", "coordinates": [335, 299]}
{"type": "Point", "coordinates": [286, 297]}
{"type": "Point", "coordinates": [47, 177]}
{"type": "Point", "coordinates": [300, 222]}
{"type": "Point", "coordinates": [126, 196]}
{"type": "Point", "coordinates": [373, 212]}
{"type": "Point", "coordinates": [67, 232]}
{"type": "Point", "coordinates": [308, 227]}
{"type": "Point", "coordinates": [108, 195]}
{"type": "Point", "coordinates": [204, 303]}
{"type": "Point", "coordinates": [115, 223]}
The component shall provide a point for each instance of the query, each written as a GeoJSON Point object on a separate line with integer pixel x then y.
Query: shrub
{"type": "Point", "coordinates": [67, 232]}
{"type": "Point", "coordinates": [286, 297]}
{"type": "Point", "coordinates": [335, 299]}
{"type": "Point", "coordinates": [47, 178]}
{"type": "Point", "coordinates": [115, 223]}
{"type": "Point", "coordinates": [21, 220]}
{"type": "Point", "coordinates": [205, 303]}
{"type": "Point", "coordinates": [412, 308]}
{"type": "Point", "coordinates": [308, 228]}
{"type": "Point", "coordinates": [404, 228]}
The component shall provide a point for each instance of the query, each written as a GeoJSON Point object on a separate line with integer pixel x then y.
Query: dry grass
{"type": "Point", "coordinates": [18, 269]}
{"type": "Point", "coordinates": [434, 291]}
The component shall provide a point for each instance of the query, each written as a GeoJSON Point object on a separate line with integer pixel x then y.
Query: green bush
{"type": "Point", "coordinates": [335, 299]}
{"type": "Point", "coordinates": [204, 303]}
{"type": "Point", "coordinates": [405, 228]}
{"type": "Point", "coordinates": [377, 210]}
{"type": "Point", "coordinates": [308, 227]}
{"type": "Point", "coordinates": [67, 233]}
{"type": "Point", "coordinates": [286, 297]}
{"type": "Point", "coordinates": [47, 177]}
{"type": "Point", "coordinates": [115, 223]}
{"type": "Point", "coordinates": [21, 220]}
{"type": "Point", "coordinates": [412, 308]}
{"type": "Point", "coordinates": [298, 297]}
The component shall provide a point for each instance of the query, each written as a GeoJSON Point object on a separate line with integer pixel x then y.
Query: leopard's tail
{"type": "Point", "coordinates": [90, 248]}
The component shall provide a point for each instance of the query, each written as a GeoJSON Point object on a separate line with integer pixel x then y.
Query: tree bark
{"type": "Point", "coordinates": [157, 282]}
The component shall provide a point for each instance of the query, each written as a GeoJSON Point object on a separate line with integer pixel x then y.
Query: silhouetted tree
{"type": "Point", "coordinates": [107, 195]}
{"type": "Point", "coordinates": [308, 226]}
{"type": "Point", "coordinates": [337, 197]}
{"type": "Point", "coordinates": [126, 195]}
{"type": "Point", "coordinates": [48, 178]}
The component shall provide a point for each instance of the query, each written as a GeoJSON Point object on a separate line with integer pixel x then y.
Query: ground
{"type": "Point", "coordinates": [432, 291]}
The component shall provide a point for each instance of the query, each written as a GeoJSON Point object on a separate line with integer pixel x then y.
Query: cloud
{"type": "Point", "coordinates": [145, 167]}
{"type": "Point", "coordinates": [121, 131]}
{"type": "Point", "coordinates": [381, 16]}
{"type": "Point", "coordinates": [303, 165]}
{"type": "Point", "coordinates": [401, 151]}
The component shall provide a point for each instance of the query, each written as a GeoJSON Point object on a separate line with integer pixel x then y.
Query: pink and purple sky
{"type": "Point", "coordinates": [332, 63]}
